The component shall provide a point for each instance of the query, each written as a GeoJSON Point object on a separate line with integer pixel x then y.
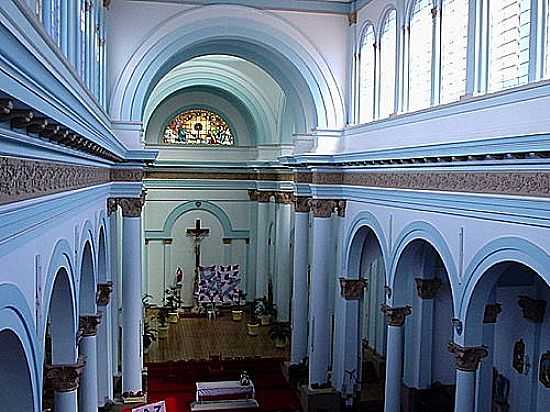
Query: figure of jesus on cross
{"type": "Point", "coordinates": [197, 234]}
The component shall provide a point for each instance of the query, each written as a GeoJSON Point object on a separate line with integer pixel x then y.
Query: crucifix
{"type": "Point", "coordinates": [197, 234]}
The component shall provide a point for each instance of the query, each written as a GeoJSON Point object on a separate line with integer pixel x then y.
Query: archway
{"type": "Point", "coordinates": [14, 374]}
{"type": "Point", "coordinates": [422, 283]}
{"type": "Point", "coordinates": [508, 315]}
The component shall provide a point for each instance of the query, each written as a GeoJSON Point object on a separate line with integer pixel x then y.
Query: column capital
{"type": "Point", "coordinates": [352, 18]}
{"type": "Point", "coordinates": [167, 241]}
{"type": "Point", "coordinates": [131, 206]}
{"type": "Point", "coordinates": [286, 198]}
{"type": "Point", "coordinates": [467, 358]}
{"type": "Point", "coordinates": [227, 241]}
{"type": "Point", "coordinates": [322, 207]}
{"type": "Point", "coordinates": [103, 294]}
{"type": "Point", "coordinates": [87, 324]}
{"type": "Point", "coordinates": [65, 378]}
{"type": "Point", "coordinates": [112, 205]}
{"type": "Point", "coordinates": [253, 195]}
{"type": "Point", "coordinates": [396, 316]}
{"type": "Point", "coordinates": [435, 11]}
{"type": "Point", "coordinates": [341, 208]}
{"type": "Point", "coordinates": [427, 288]}
{"type": "Point", "coordinates": [352, 289]}
{"type": "Point", "coordinates": [491, 312]}
{"type": "Point", "coordinates": [302, 204]}
{"type": "Point", "coordinates": [533, 309]}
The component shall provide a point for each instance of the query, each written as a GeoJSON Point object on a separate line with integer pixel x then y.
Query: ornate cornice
{"type": "Point", "coordinates": [286, 198]}
{"type": "Point", "coordinates": [427, 288]}
{"type": "Point", "coordinates": [103, 294]}
{"type": "Point", "coordinates": [491, 313]}
{"type": "Point", "coordinates": [127, 175]}
{"type": "Point", "coordinates": [302, 204]}
{"type": "Point", "coordinates": [87, 324]}
{"type": "Point", "coordinates": [65, 378]}
{"type": "Point", "coordinates": [352, 289]}
{"type": "Point", "coordinates": [533, 309]}
{"type": "Point", "coordinates": [396, 316]}
{"type": "Point", "coordinates": [322, 207]}
{"type": "Point", "coordinates": [467, 358]}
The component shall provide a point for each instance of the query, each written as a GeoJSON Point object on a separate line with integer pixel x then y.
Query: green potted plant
{"type": "Point", "coordinates": [280, 333]}
{"type": "Point", "coordinates": [253, 324]}
{"type": "Point", "coordinates": [149, 336]}
{"type": "Point", "coordinates": [172, 302]}
{"type": "Point", "coordinates": [162, 320]}
{"type": "Point", "coordinates": [238, 298]}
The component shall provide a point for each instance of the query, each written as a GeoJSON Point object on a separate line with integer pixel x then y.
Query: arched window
{"type": "Point", "coordinates": [388, 44]}
{"type": "Point", "coordinates": [366, 76]}
{"type": "Point", "coordinates": [420, 55]}
{"type": "Point", "coordinates": [509, 27]}
{"type": "Point", "coordinates": [454, 42]}
{"type": "Point", "coordinates": [198, 127]}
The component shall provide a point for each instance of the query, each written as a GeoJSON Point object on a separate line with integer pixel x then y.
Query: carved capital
{"type": "Point", "coordinates": [65, 378]}
{"type": "Point", "coordinates": [467, 358]}
{"type": "Point", "coordinates": [302, 204]}
{"type": "Point", "coordinates": [396, 316]}
{"type": "Point", "coordinates": [341, 208]}
{"type": "Point", "coordinates": [322, 207]}
{"type": "Point", "coordinates": [112, 205]}
{"type": "Point", "coordinates": [131, 206]}
{"type": "Point", "coordinates": [286, 198]}
{"type": "Point", "coordinates": [352, 289]}
{"type": "Point", "coordinates": [87, 324]}
{"type": "Point", "coordinates": [264, 197]}
{"type": "Point", "coordinates": [427, 288]}
{"type": "Point", "coordinates": [491, 312]}
{"type": "Point", "coordinates": [253, 195]}
{"type": "Point", "coordinates": [352, 18]}
{"type": "Point", "coordinates": [103, 294]}
{"type": "Point", "coordinates": [533, 309]}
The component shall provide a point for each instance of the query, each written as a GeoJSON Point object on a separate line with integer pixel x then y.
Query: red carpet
{"type": "Point", "coordinates": [174, 382]}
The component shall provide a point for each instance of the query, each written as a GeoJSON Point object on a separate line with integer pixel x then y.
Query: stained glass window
{"type": "Point", "coordinates": [198, 127]}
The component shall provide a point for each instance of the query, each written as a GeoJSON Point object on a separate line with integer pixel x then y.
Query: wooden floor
{"type": "Point", "coordinates": [200, 338]}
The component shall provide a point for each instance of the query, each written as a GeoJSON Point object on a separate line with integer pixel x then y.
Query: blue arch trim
{"type": "Point", "coordinates": [428, 233]}
{"type": "Point", "coordinates": [87, 236]}
{"type": "Point", "coordinates": [15, 315]}
{"type": "Point", "coordinates": [203, 205]}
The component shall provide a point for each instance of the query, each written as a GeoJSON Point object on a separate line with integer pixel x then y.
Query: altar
{"type": "Point", "coordinates": [224, 395]}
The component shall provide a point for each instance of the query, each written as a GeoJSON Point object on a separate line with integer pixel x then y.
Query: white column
{"type": "Point", "coordinates": [104, 345]}
{"type": "Point", "coordinates": [282, 263]}
{"type": "Point", "coordinates": [262, 222]}
{"type": "Point", "coordinates": [298, 351]}
{"type": "Point", "coordinates": [132, 313]}
{"type": "Point", "coordinates": [65, 380]}
{"type": "Point", "coordinates": [394, 356]}
{"type": "Point", "coordinates": [169, 274]}
{"type": "Point", "coordinates": [112, 210]}
{"type": "Point", "coordinates": [467, 362]}
{"type": "Point", "coordinates": [320, 333]}
{"type": "Point", "coordinates": [485, 376]}
{"type": "Point", "coordinates": [87, 394]}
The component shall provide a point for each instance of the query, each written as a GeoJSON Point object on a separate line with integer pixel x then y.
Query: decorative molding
{"type": "Point", "coordinates": [65, 378]}
{"type": "Point", "coordinates": [341, 208]}
{"type": "Point", "coordinates": [467, 358]}
{"type": "Point", "coordinates": [427, 288]}
{"type": "Point", "coordinates": [253, 195]}
{"type": "Point", "coordinates": [457, 325]}
{"type": "Point", "coordinates": [227, 241]}
{"type": "Point", "coordinates": [286, 198]}
{"type": "Point", "coordinates": [222, 174]}
{"type": "Point", "coordinates": [264, 196]}
{"type": "Point", "coordinates": [352, 18]}
{"type": "Point", "coordinates": [352, 289]}
{"type": "Point", "coordinates": [396, 316]}
{"type": "Point", "coordinates": [112, 206]}
{"type": "Point", "coordinates": [533, 309]}
{"type": "Point", "coordinates": [518, 357]}
{"type": "Point", "coordinates": [131, 206]}
{"type": "Point", "coordinates": [322, 207]}
{"type": "Point", "coordinates": [127, 175]}
{"type": "Point", "coordinates": [302, 204]}
{"type": "Point", "coordinates": [167, 241]}
{"type": "Point", "coordinates": [87, 324]}
{"type": "Point", "coordinates": [103, 294]}
{"type": "Point", "coordinates": [544, 369]}
{"type": "Point", "coordinates": [491, 313]}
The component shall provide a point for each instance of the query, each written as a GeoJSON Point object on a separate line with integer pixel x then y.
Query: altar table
{"type": "Point", "coordinates": [224, 390]}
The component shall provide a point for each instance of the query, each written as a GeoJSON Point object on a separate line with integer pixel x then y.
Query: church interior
{"type": "Point", "coordinates": [274, 205]}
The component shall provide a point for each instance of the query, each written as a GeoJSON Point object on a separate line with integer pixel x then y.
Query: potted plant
{"type": "Point", "coordinates": [162, 319]}
{"type": "Point", "coordinates": [280, 333]}
{"type": "Point", "coordinates": [267, 310]}
{"type": "Point", "coordinates": [172, 302]}
{"type": "Point", "coordinates": [238, 298]}
{"type": "Point", "coordinates": [253, 323]}
{"type": "Point", "coordinates": [149, 336]}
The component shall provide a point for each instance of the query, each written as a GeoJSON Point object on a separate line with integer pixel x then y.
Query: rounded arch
{"type": "Point", "coordinates": [259, 36]}
{"type": "Point", "coordinates": [102, 256]}
{"type": "Point", "coordinates": [87, 284]}
{"type": "Point", "coordinates": [480, 277]}
{"type": "Point", "coordinates": [379, 27]}
{"type": "Point", "coordinates": [428, 233]}
{"type": "Point", "coordinates": [363, 32]}
{"type": "Point", "coordinates": [205, 206]}
{"type": "Point", "coordinates": [17, 327]}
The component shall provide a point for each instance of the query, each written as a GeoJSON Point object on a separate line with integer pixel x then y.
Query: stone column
{"type": "Point", "coordinates": [168, 272]}
{"type": "Point", "coordinates": [104, 344]}
{"type": "Point", "coordinates": [112, 211]}
{"type": "Point", "coordinates": [87, 399]}
{"type": "Point", "coordinates": [262, 222]}
{"type": "Point", "coordinates": [298, 351]}
{"type": "Point", "coordinates": [65, 381]}
{"type": "Point", "coordinates": [395, 318]}
{"type": "Point", "coordinates": [320, 333]}
{"type": "Point", "coordinates": [132, 312]}
{"type": "Point", "coordinates": [467, 362]}
{"type": "Point", "coordinates": [282, 266]}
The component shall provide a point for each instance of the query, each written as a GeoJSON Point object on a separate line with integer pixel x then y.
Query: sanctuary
{"type": "Point", "coordinates": [275, 205]}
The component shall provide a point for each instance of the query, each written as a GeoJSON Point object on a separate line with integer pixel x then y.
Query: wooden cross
{"type": "Point", "coordinates": [197, 233]}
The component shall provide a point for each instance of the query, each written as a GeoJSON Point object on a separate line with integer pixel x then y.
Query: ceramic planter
{"type": "Point", "coordinates": [253, 329]}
